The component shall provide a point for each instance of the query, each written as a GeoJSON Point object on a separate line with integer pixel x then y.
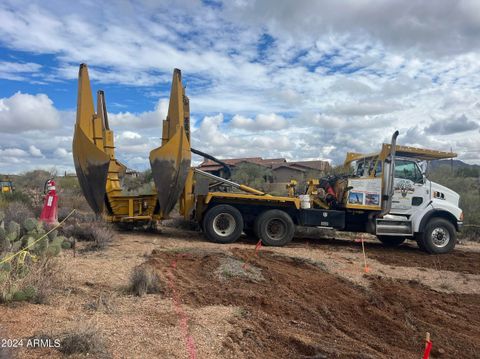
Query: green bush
{"type": "Point", "coordinates": [467, 187]}
{"type": "Point", "coordinates": [17, 212]}
{"type": "Point", "coordinates": [252, 175]}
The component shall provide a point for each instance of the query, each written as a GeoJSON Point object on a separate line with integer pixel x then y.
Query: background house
{"type": "Point", "coordinates": [280, 171]}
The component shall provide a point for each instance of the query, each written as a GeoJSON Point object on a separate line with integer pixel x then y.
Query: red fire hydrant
{"type": "Point", "coordinates": [50, 206]}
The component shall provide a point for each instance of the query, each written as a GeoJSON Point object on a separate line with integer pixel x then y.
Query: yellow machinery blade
{"type": "Point", "coordinates": [91, 161]}
{"type": "Point", "coordinates": [170, 163]}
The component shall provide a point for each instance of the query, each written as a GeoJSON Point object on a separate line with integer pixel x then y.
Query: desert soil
{"type": "Point", "coordinates": [311, 299]}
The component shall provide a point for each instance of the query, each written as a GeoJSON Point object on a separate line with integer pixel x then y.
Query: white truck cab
{"type": "Point", "coordinates": [432, 209]}
{"type": "Point", "coordinates": [413, 206]}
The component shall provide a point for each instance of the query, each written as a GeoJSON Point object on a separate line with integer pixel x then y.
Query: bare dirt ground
{"type": "Point", "coordinates": [312, 299]}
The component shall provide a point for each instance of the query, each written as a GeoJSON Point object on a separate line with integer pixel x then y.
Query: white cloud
{"type": "Point", "coordinates": [13, 152]}
{"type": "Point", "coordinates": [17, 71]}
{"type": "Point", "coordinates": [25, 112]}
{"type": "Point", "coordinates": [34, 151]}
{"type": "Point", "coordinates": [148, 119]}
{"type": "Point", "coordinates": [62, 153]}
{"type": "Point", "coordinates": [325, 77]}
{"type": "Point", "coordinates": [261, 122]}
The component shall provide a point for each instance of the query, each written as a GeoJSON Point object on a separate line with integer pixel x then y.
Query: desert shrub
{"type": "Point", "coordinates": [98, 232]}
{"type": "Point", "coordinates": [141, 183]}
{"type": "Point", "coordinates": [144, 279]}
{"type": "Point", "coordinates": [102, 236]}
{"type": "Point", "coordinates": [467, 187]}
{"type": "Point", "coordinates": [105, 303]}
{"type": "Point", "coordinates": [71, 201]}
{"type": "Point", "coordinates": [470, 233]}
{"type": "Point", "coordinates": [32, 281]}
{"type": "Point", "coordinates": [17, 212]}
{"type": "Point", "coordinates": [85, 338]}
{"type": "Point", "coordinates": [16, 196]}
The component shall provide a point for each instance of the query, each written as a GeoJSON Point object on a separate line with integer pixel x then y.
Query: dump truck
{"type": "Point", "coordinates": [386, 193]}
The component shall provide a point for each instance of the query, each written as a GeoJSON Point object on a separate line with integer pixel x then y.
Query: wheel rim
{"type": "Point", "coordinates": [276, 229]}
{"type": "Point", "coordinates": [224, 224]}
{"type": "Point", "coordinates": [440, 237]}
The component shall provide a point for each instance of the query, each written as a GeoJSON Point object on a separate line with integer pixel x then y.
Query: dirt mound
{"type": "Point", "coordinates": [457, 261]}
{"type": "Point", "coordinates": [407, 255]}
{"type": "Point", "coordinates": [301, 311]}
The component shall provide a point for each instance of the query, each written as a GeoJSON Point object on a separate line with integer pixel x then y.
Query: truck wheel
{"type": "Point", "coordinates": [391, 241]}
{"type": "Point", "coordinates": [439, 236]}
{"type": "Point", "coordinates": [274, 228]}
{"type": "Point", "coordinates": [223, 224]}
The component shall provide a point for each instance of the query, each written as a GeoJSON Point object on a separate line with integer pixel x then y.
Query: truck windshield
{"type": "Point", "coordinates": [408, 170]}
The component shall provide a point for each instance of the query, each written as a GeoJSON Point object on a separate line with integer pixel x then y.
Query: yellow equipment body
{"type": "Point", "coordinates": [6, 186]}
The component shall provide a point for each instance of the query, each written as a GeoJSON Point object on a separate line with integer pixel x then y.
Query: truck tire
{"type": "Point", "coordinates": [391, 241]}
{"type": "Point", "coordinates": [223, 224]}
{"type": "Point", "coordinates": [439, 236]}
{"type": "Point", "coordinates": [274, 228]}
{"type": "Point", "coordinates": [418, 238]}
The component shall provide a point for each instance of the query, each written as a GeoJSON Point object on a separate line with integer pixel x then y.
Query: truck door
{"type": "Point", "coordinates": [410, 191]}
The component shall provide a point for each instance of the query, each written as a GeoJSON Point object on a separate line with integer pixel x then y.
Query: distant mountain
{"type": "Point", "coordinates": [464, 169]}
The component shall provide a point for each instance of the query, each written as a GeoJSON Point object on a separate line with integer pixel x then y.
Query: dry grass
{"type": "Point", "coordinates": [97, 232]}
{"type": "Point", "coordinates": [144, 280]}
{"type": "Point", "coordinates": [85, 338]}
{"type": "Point", "coordinates": [105, 303]}
{"type": "Point", "coordinates": [102, 236]}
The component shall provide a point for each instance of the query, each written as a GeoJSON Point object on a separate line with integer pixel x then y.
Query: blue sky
{"type": "Point", "coordinates": [300, 80]}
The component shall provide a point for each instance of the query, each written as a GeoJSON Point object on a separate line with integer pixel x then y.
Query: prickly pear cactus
{"type": "Point", "coordinates": [13, 231]}
{"type": "Point", "coordinates": [4, 242]}
{"type": "Point", "coordinates": [30, 224]}
{"type": "Point", "coordinates": [16, 246]}
{"type": "Point", "coordinates": [55, 246]}
{"type": "Point", "coordinates": [40, 227]}
{"type": "Point", "coordinates": [54, 249]}
{"type": "Point", "coordinates": [41, 246]}
{"type": "Point", "coordinates": [4, 245]}
{"type": "Point", "coordinates": [52, 235]}
{"type": "Point", "coordinates": [27, 241]}
{"type": "Point", "coordinates": [5, 267]}
{"type": "Point", "coordinates": [25, 294]}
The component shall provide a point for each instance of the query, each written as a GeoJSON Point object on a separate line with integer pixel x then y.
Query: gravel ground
{"type": "Point", "coordinates": [149, 326]}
